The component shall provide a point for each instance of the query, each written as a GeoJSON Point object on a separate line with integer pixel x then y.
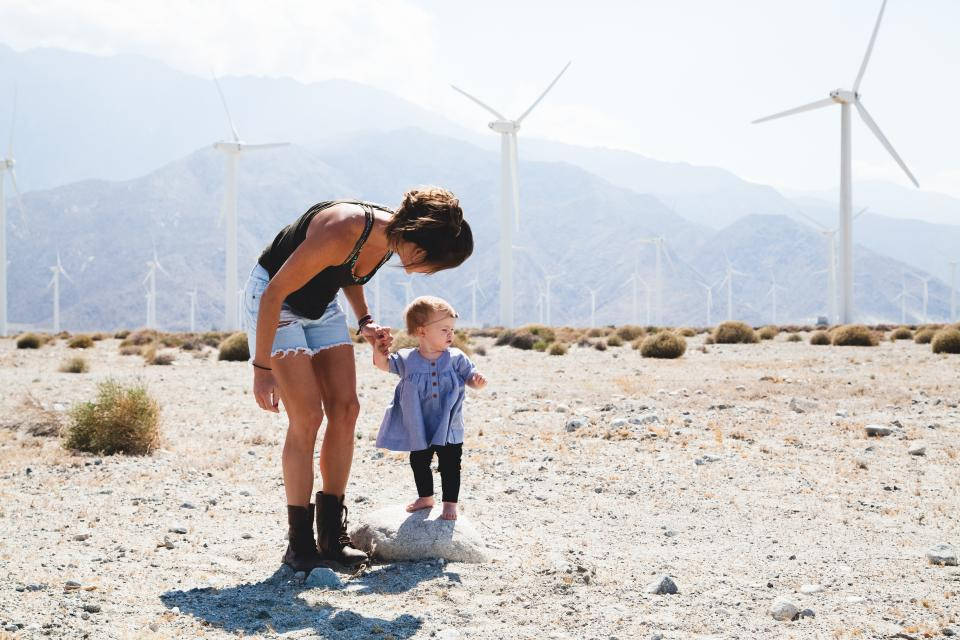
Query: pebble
{"type": "Point", "coordinates": [91, 608]}
{"type": "Point", "coordinates": [80, 537]}
{"type": "Point", "coordinates": [798, 405]}
{"type": "Point", "coordinates": [167, 543]}
{"type": "Point", "coordinates": [811, 588]}
{"type": "Point", "coordinates": [856, 599]}
{"type": "Point", "coordinates": [448, 634]}
{"type": "Point", "coordinates": [808, 613]}
{"type": "Point", "coordinates": [71, 584]}
{"type": "Point", "coordinates": [646, 418]}
{"type": "Point", "coordinates": [662, 585]}
{"type": "Point", "coordinates": [842, 413]}
{"type": "Point", "coordinates": [942, 554]}
{"type": "Point", "coordinates": [917, 449]}
{"type": "Point", "coordinates": [322, 577]}
{"type": "Point", "coordinates": [619, 422]}
{"type": "Point", "coordinates": [575, 423]}
{"type": "Point", "coordinates": [878, 431]}
{"type": "Point", "coordinates": [562, 408]}
{"type": "Point", "coordinates": [180, 530]}
{"type": "Point", "coordinates": [784, 610]}
{"type": "Point", "coordinates": [187, 505]}
{"type": "Point", "coordinates": [948, 631]}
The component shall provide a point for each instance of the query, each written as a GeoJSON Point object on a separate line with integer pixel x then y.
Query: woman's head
{"type": "Point", "coordinates": [431, 320]}
{"type": "Point", "coordinates": [428, 231]}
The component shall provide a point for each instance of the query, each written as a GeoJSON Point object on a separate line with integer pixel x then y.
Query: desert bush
{"type": "Point", "coordinates": [709, 340]}
{"type": "Point", "coordinates": [461, 340]}
{"type": "Point", "coordinates": [234, 348]}
{"type": "Point", "coordinates": [596, 332]}
{"type": "Point", "coordinates": [901, 333]}
{"type": "Point", "coordinates": [686, 332]}
{"type": "Point", "coordinates": [820, 338]}
{"type": "Point", "coordinates": [193, 343]}
{"type": "Point", "coordinates": [638, 342]}
{"type": "Point", "coordinates": [946, 341]}
{"type": "Point", "coordinates": [74, 365]}
{"type": "Point", "coordinates": [213, 338]}
{"type": "Point", "coordinates": [794, 337]}
{"type": "Point", "coordinates": [486, 332]}
{"type": "Point", "coordinates": [403, 340]}
{"type": "Point", "coordinates": [139, 338]}
{"type": "Point", "coordinates": [121, 334]}
{"type": "Point", "coordinates": [503, 338]}
{"type": "Point", "coordinates": [769, 332]}
{"type": "Point", "coordinates": [663, 344]}
{"type": "Point", "coordinates": [600, 345]}
{"type": "Point", "coordinates": [733, 333]}
{"type": "Point", "coordinates": [545, 333]}
{"type": "Point", "coordinates": [567, 334]}
{"type": "Point", "coordinates": [80, 341]}
{"type": "Point", "coordinates": [172, 340]}
{"type": "Point", "coordinates": [29, 341]}
{"type": "Point", "coordinates": [629, 332]}
{"type": "Point", "coordinates": [130, 350]}
{"type": "Point", "coordinates": [523, 340]}
{"type": "Point", "coordinates": [152, 355]}
{"type": "Point", "coordinates": [615, 341]}
{"type": "Point", "coordinates": [98, 336]}
{"type": "Point", "coordinates": [584, 341]}
{"type": "Point", "coordinates": [540, 345]}
{"type": "Point", "coordinates": [558, 349]}
{"type": "Point", "coordinates": [480, 351]}
{"type": "Point", "coordinates": [120, 420]}
{"type": "Point", "coordinates": [924, 335]}
{"type": "Point", "coordinates": [854, 335]}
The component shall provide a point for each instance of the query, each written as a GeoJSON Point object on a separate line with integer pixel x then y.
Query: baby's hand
{"type": "Point", "coordinates": [477, 381]}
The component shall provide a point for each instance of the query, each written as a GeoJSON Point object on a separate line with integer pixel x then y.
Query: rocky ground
{"type": "Point", "coordinates": [742, 472]}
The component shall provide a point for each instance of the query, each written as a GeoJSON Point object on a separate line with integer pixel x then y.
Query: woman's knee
{"type": "Point", "coordinates": [306, 421]}
{"type": "Point", "coordinates": [343, 412]}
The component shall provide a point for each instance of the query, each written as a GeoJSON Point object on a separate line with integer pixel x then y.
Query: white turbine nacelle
{"type": "Point", "coordinates": [229, 147]}
{"type": "Point", "coordinates": [843, 96]}
{"type": "Point", "coordinates": [504, 126]}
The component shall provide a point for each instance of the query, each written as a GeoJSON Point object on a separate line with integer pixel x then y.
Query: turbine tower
{"type": "Point", "coordinates": [774, 287]}
{"type": "Point", "coordinates": [193, 310]}
{"type": "Point", "coordinates": [57, 270]}
{"type": "Point", "coordinates": [657, 242]}
{"type": "Point", "coordinates": [550, 277]}
{"type": "Point", "coordinates": [474, 288]}
{"type": "Point", "coordinates": [593, 307]}
{"type": "Point", "coordinates": [926, 295]}
{"type": "Point", "coordinates": [408, 290]}
{"type": "Point", "coordinates": [709, 289]}
{"type": "Point", "coordinates": [953, 290]}
{"type": "Point", "coordinates": [151, 281]}
{"type": "Point", "coordinates": [846, 98]}
{"type": "Point", "coordinates": [232, 150]}
{"type": "Point", "coordinates": [728, 280]}
{"type": "Point", "coordinates": [509, 194]}
{"type": "Point", "coordinates": [903, 299]}
{"type": "Point", "coordinates": [6, 164]}
{"type": "Point", "coordinates": [831, 237]}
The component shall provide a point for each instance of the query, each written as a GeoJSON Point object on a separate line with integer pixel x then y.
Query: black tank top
{"type": "Point", "coordinates": [312, 299]}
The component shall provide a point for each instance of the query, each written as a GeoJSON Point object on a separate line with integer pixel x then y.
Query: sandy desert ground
{"type": "Point", "coordinates": [748, 477]}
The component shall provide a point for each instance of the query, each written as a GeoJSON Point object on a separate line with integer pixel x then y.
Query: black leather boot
{"type": "Point", "coordinates": [301, 554]}
{"type": "Point", "coordinates": [333, 543]}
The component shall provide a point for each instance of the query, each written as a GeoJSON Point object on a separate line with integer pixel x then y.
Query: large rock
{"type": "Point", "coordinates": [393, 534]}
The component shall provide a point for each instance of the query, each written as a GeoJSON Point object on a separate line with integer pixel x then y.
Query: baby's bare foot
{"type": "Point", "coordinates": [420, 503]}
{"type": "Point", "coordinates": [449, 511]}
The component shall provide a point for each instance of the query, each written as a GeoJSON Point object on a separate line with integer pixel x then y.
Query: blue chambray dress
{"type": "Point", "coordinates": [427, 407]}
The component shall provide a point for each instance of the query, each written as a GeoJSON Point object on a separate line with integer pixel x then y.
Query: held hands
{"type": "Point", "coordinates": [265, 390]}
{"type": "Point", "coordinates": [378, 336]}
{"type": "Point", "coordinates": [477, 381]}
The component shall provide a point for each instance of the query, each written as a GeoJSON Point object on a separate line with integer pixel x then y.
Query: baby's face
{"type": "Point", "coordinates": [438, 333]}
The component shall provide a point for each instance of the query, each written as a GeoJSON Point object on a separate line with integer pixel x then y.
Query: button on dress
{"type": "Point", "coordinates": [427, 407]}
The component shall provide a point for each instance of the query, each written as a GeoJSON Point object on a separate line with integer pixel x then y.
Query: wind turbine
{"type": "Point", "coordinates": [728, 280]}
{"type": "Point", "coordinates": [830, 235]}
{"type": "Point", "coordinates": [151, 281]}
{"type": "Point", "coordinates": [57, 270]}
{"type": "Point", "coordinates": [845, 98]}
{"type": "Point", "coordinates": [509, 194]}
{"type": "Point", "coordinates": [774, 287]}
{"type": "Point", "coordinates": [903, 299]}
{"type": "Point", "coordinates": [635, 280]}
{"type": "Point", "coordinates": [953, 290]}
{"type": "Point", "coordinates": [7, 164]}
{"type": "Point", "coordinates": [709, 289]}
{"type": "Point", "coordinates": [593, 307]}
{"type": "Point", "coordinates": [232, 150]}
{"type": "Point", "coordinates": [193, 310]}
{"type": "Point", "coordinates": [474, 288]}
{"type": "Point", "coordinates": [657, 242]}
{"type": "Point", "coordinates": [408, 290]}
{"type": "Point", "coordinates": [926, 294]}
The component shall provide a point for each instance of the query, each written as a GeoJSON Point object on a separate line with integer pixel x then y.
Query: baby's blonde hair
{"type": "Point", "coordinates": [418, 312]}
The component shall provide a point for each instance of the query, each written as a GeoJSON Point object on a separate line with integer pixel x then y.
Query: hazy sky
{"type": "Point", "coordinates": [676, 80]}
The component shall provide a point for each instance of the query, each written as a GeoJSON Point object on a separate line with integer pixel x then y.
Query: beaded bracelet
{"type": "Point", "coordinates": [258, 366]}
{"type": "Point", "coordinates": [365, 320]}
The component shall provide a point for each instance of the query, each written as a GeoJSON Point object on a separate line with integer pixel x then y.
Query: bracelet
{"type": "Point", "coordinates": [364, 321]}
{"type": "Point", "coordinates": [261, 367]}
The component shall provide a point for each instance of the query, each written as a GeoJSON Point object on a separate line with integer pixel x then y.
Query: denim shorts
{"type": "Point", "coordinates": [295, 334]}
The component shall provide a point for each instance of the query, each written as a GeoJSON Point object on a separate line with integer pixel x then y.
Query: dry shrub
{"type": "Point", "coordinates": [540, 345]}
{"type": "Point", "coordinates": [461, 340]}
{"type": "Point", "coordinates": [172, 340]}
{"type": "Point", "coordinates": [140, 337]}
{"type": "Point", "coordinates": [794, 337]}
{"type": "Point", "coordinates": [600, 345]}
{"type": "Point", "coordinates": [403, 340]}
{"type": "Point", "coordinates": [663, 344]}
{"type": "Point", "coordinates": [901, 333]}
{"type": "Point", "coordinates": [121, 334]}
{"type": "Point", "coordinates": [615, 341]}
{"type": "Point", "coordinates": [480, 351]}
{"type": "Point", "coordinates": [213, 338]}
{"type": "Point", "coordinates": [151, 355]}
{"type": "Point", "coordinates": [854, 335]}
{"type": "Point", "coordinates": [74, 365]}
{"type": "Point", "coordinates": [192, 343]}
{"type": "Point", "coordinates": [596, 332]}
{"type": "Point", "coordinates": [687, 332]}
{"type": "Point", "coordinates": [34, 419]}
{"type": "Point", "coordinates": [120, 420]}
{"type": "Point", "coordinates": [29, 341]}
{"type": "Point", "coordinates": [820, 338]}
{"type": "Point", "coordinates": [630, 332]}
{"type": "Point", "coordinates": [130, 350]}
{"type": "Point", "coordinates": [503, 338]}
{"type": "Point", "coordinates": [734, 333]}
{"type": "Point", "coordinates": [946, 341]}
{"type": "Point", "coordinates": [636, 344]}
{"type": "Point", "coordinates": [80, 342]}
{"type": "Point", "coordinates": [98, 336]}
{"type": "Point", "coordinates": [558, 349]}
{"type": "Point", "coordinates": [567, 334]}
{"type": "Point", "coordinates": [924, 335]}
{"type": "Point", "coordinates": [235, 348]}
{"type": "Point", "coordinates": [542, 332]}
{"type": "Point", "coordinates": [486, 332]}
{"type": "Point", "coordinates": [523, 340]}
{"type": "Point", "coordinates": [709, 340]}
{"type": "Point", "coordinates": [769, 332]}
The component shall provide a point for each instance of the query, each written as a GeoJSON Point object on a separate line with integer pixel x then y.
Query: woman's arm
{"type": "Point", "coordinates": [354, 295]}
{"type": "Point", "coordinates": [328, 242]}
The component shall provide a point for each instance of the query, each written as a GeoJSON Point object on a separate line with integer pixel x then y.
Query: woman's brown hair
{"type": "Point", "coordinates": [431, 218]}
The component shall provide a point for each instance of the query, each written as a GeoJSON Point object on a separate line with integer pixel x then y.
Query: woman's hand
{"type": "Point", "coordinates": [265, 390]}
{"type": "Point", "coordinates": [376, 334]}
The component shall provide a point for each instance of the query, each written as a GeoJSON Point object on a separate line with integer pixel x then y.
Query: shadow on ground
{"type": "Point", "coordinates": [278, 603]}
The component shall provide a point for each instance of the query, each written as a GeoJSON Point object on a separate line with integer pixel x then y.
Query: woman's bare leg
{"type": "Point", "coordinates": [336, 376]}
{"type": "Point", "coordinates": [300, 393]}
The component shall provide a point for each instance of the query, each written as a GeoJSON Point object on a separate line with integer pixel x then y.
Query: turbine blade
{"type": "Point", "coordinates": [13, 122]}
{"type": "Point", "coordinates": [860, 213]}
{"type": "Point", "coordinates": [52, 280]}
{"type": "Point", "coordinates": [261, 147]}
{"type": "Point", "coordinates": [485, 106]}
{"type": "Point", "coordinates": [810, 218]}
{"type": "Point", "coordinates": [883, 140]}
{"type": "Point", "coordinates": [236, 137]}
{"type": "Point", "coordinates": [16, 189]}
{"type": "Point", "coordinates": [545, 92]}
{"type": "Point", "coordinates": [866, 57]}
{"type": "Point", "coordinates": [826, 102]}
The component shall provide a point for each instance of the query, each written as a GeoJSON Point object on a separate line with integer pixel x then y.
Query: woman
{"type": "Point", "coordinates": [302, 353]}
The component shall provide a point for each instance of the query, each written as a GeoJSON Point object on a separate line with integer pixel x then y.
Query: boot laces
{"type": "Point", "coordinates": [344, 538]}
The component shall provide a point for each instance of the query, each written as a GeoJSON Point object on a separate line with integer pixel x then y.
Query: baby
{"type": "Point", "coordinates": [426, 415]}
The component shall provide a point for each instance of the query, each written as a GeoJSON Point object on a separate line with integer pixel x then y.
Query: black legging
{"type": "Point", "coordinates": [448, 457]}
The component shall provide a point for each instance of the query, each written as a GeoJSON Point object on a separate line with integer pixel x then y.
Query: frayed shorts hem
{"type": "Point", "coordinates": [281, 353]}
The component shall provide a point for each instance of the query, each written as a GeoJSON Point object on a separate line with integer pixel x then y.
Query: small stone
{"type": "Point", "coordinates": [187, 505]}
{"type": "Point", "coordinates": [167, 543]}
{"type": "Point", "coordinates": [180, 530]}
{"type": "Point", "coordinates": [942, 554]}
{"type": "Point", "coordinates": [856, 599]}
{"type": "Point", "coordinates": [811, 588]}
{"type": "Point", "coordinates": [575, 423]}
{"type": "Point", "coordinates": [80, 537]}
{"type": "Point", "coordinates": [562, 408]}
{"type": "Point", "coordinates": [798, 405]}
{"type": "Point", "coordinates": [808, 613]}
{"type": "Point", "coordinates": [917, 449]}
{"type": "Point", "coordinates": [91, 608]}
{"type": "Point", "coordinates": [842, 413]}
{"type": "Point", "coordinates": [948, 631]}
{"type": "Point", "coordinates": [392, 534]}
{"type": "Point", "coordinates": [741, 387]}
{"type": "Point", "coordinates": [662, 585]}
{"type": "Point", "coordinates": [646, 418]}
{"type": "Point", "coordinates": [784, 610]}
{"type": "Point", "coordinates": [877, 430]}
{"type": "Point", "coordinates": [618, 423]}
{"type": "Point", "coordinates": [71, 584]}
{"type": "Point", "coordinates": [448, 634]}
{"type": "Point", "coordinates": [322, 577]}
{"type": "Point", "coordinates": [246, 536]}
